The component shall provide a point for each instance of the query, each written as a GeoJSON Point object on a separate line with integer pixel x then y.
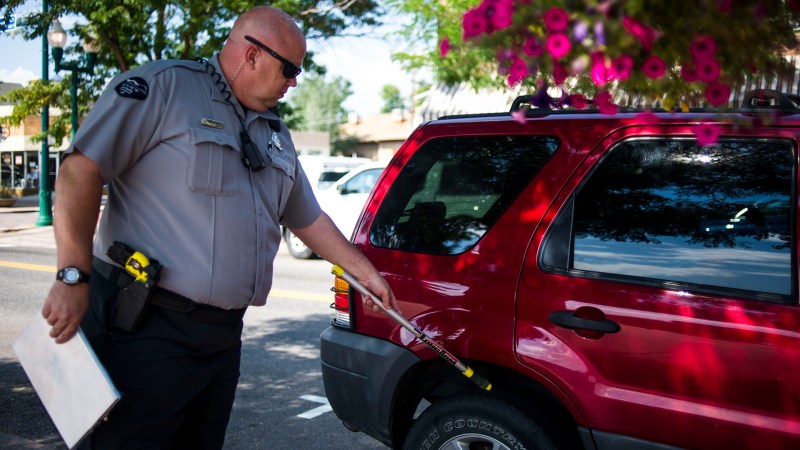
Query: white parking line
{"type": "Point", "coordinates": [319, 410]}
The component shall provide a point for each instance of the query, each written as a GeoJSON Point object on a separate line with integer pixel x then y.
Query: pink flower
{"type": "Point", "coordinates": [654, 67]}
{"type": "Point", "coordinates": [717, 93]}
{"type": "Point", "coordinates": [603, 102]}
{"type": "Point", "coordinates": [644, 34]}
{"type": "Point", "coordinates": [516, 71]}
{"type": "Point", "coordinates": [444, 47]}
{"type": "Point", "coordinates": [577, 101]}
{"type": "Point", "coordinates": [532, 46]}
{"type": "Point", "coordinates": [688, 72]}
{"type": "Point", "coordinates": [499, 13]}
{"type": "Point", "coordinates": [559, 74]}
{"type": "Point", "coordinates": [474, 22]}
{"type": "Point", "coordinates": [556, 20]}
{"type": "Point", "coordinates": [519, 116]}
{"type": "Point", "coordinates": [707, 70]}
{"type": "Point", "coordinates": [622, 67]}
{"type": "Point", "coordinates": [599, 72]}
{"type": "Point", "coordinates": [703, 47]}
{"type": "Point", "coordinates": [558, 45]}
{"type": "Point", "coordinates": [725, 5]}
{"type": "Point", "coordinates": [604, 6]}
{"type": "Point", "coordinates": [706, 133]}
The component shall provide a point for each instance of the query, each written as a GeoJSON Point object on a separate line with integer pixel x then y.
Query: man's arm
{"type": "Point", "coordinates": [328, 242]}
{"type": "Point", "coordinates": [76, 208]}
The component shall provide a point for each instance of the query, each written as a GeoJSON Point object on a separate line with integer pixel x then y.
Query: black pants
{"type": "Point", "coordinates": [177, 376]}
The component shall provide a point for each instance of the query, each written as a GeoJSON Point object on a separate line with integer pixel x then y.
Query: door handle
{"type": "Point", "coordinates": [584, 318]}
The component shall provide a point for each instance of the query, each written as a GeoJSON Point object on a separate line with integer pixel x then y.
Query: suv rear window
{"type": "Point", "coordinates": [453, 189]}
{"type": "Point", "coordinates": [666, 211]}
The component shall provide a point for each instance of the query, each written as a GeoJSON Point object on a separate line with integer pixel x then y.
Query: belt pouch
{"type": "Point", "coordinates": [131, 305]}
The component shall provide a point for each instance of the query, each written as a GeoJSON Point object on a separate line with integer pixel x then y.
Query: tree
{"type": "Point", "coordinates": [430, 22]}
{"type": "Point", "coordinates": [320, 102]}
{"type": "Point", "coordinates": [391, 98]}
{"type": "Point", "coordinates": [133, 32]}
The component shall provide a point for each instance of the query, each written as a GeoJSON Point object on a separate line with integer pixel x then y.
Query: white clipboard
{"type": "Point", "coordinates": [71, 382]}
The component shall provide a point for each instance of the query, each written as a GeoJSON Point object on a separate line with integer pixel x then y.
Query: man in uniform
{"type": "Point", "coordinates": [201, 173]}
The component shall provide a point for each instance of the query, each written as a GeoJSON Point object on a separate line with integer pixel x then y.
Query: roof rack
{"type": "Point", "coordinates": [770, 99]}
{"type": "Point", "coordinates": [756, 100]}
{"type": "Point", "coordinates": [760, 99]}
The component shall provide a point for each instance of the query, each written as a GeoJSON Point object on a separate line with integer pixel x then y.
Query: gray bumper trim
{"type": "Point", "coordinates": [361, 374]}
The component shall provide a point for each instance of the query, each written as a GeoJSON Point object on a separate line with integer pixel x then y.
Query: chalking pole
{"type": "Point", "coordinates": [481, 382]}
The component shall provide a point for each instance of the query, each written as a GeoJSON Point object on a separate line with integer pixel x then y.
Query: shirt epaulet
{"type": "Point", "coordinates": [161, 65]}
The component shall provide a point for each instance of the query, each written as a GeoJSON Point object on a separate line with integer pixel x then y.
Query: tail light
{"type": "Point", "coordinates": [341, 303]}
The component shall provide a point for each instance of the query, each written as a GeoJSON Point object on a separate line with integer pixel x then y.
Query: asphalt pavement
{"type": "Point", "coordinates": [18, 227]}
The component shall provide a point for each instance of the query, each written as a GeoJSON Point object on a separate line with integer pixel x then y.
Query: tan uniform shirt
{"type": "Point", "coordinates": [168, 144]}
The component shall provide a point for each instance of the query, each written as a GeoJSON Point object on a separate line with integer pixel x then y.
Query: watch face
{"type": "Point", "coordinates": [71, 275]}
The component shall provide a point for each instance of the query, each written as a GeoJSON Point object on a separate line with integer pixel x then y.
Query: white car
{"type": "Point", "coordinates": [323, 171]}
{"type": "Point", "coordinates": [343, 202]}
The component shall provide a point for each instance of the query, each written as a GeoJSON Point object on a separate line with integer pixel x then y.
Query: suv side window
{"type": "Point", "coordinates": [453, 189]}
{"type": "Point", "coordinates": [669, 212]}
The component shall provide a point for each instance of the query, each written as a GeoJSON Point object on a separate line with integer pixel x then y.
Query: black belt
{"type": "Point", "coordinates": [170, 300]}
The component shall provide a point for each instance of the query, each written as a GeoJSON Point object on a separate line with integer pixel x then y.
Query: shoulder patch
{"type": "Point", "coordinates": [134, 87]}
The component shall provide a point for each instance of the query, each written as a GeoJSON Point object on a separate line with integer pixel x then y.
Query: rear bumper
{"type": "Point", "coordinates": [361, 374]}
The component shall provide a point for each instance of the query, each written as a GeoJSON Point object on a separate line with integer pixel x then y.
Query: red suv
{"type": "Point", "coordinates": [620, 285]}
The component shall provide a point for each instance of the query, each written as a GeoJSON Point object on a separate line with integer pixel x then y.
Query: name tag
{"type": "Point", "coordinates": [211, 123]}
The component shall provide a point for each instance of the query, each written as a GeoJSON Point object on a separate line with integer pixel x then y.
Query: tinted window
{"type": "Point", "coordinates": [671, 211]}
{"type": "Point", "coordinates": [331, 176]}
{"type": "Point", "coordinates": [453, 189]}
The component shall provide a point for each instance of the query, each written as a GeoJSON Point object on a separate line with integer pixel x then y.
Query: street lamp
{"type": "Point", "coordinates": [58, 38]}
{"type": "Point", "coordinates": [45, 201]}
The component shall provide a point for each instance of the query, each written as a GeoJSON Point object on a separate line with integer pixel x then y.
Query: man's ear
{"type": "Point", "coordinates": [250, 55]}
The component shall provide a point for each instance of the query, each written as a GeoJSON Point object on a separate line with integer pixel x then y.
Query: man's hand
{"type": "Point", "coordinates": [380, 287]}
{"type": "Point", "coordinates": [64, 308]}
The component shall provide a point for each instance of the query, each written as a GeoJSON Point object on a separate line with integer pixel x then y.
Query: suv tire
{"type": "Point", "coordinates": [476, 421]}
{"type": "Point", "coordinates": [296, 247]}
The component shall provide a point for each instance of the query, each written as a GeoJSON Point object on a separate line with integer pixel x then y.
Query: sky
{"type": "Point", "coordinates": [364, 61]}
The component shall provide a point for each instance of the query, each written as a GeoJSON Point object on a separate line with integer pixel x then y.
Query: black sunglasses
{"type": "Point", "coordinates": [290, 70]}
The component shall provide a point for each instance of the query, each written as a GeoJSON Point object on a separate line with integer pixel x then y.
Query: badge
{"type": "Point", "coordinates": [211, 123]}
{"type": "Point", "coordinates": [134, 87]}
{"type": "Point", "coordinates": [276, 142]}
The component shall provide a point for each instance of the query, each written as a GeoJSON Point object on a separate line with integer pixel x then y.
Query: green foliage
{"type": "Point", "coordinates": [430, 23]}
{"type": "Point", "coordinates": [391, 98]}
{"type": "Point", "coordinates": [134, 32]}
{"type": "Point", "coordinates": [344, 145]}
{"type": "Point", "coordinates": [291, 115]}
{"type": "Point", "coordinates": [320, 102]}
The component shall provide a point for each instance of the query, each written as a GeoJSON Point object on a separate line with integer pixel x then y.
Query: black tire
{"type": "Point", "coordinates": [296, 247]}
{"type": "Point", "coordinates": [476, 422]}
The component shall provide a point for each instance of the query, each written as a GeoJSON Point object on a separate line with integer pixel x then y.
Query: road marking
{"type": "Point", "coordinates": [319, 410]}
{"type": "Point", "coordinates": [37, 267]}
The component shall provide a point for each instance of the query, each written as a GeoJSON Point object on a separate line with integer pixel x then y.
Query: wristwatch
{"type": "Point", "coordinates": [72, 275]}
